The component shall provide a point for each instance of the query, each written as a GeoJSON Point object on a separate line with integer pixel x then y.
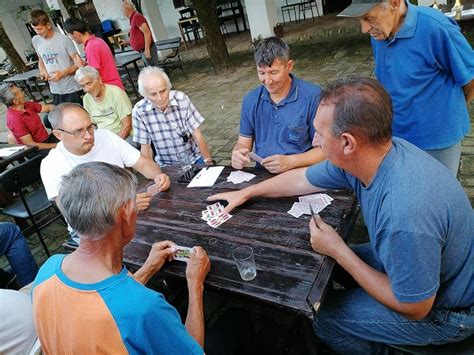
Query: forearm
{"type": "Point", "coordinates": [69, 70]}
{"type": "Point", "coordinates": [43, 146]}
{"type": "Point", "coordinates": [241, 145]}
{"type": "Point", "coordinates": [311, 157]}
{"type": "Point", "coordinates": [375, 283]}
{"type": "Point", "coordinates": [126, 127]}
{"type": "Point", "coordinates": [202, 145]}
{"type": "Point", "coordinates": [146, 151]}
{"type": "Point", "coordinates": [147, 167]}
{"type": "Point", "coordinates": [195, 317]}
{"type": "Point", "coordinates": [290, 183]}
{"type": "Point", "coordinates": [145, 273]}
{"type": "Point", "coordinates": [469, 91]}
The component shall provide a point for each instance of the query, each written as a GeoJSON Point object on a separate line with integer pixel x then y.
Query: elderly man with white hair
{"type": "Point", "coordinates": [108, 105]}
{"type": "Point", "coordinates": [168, 119]}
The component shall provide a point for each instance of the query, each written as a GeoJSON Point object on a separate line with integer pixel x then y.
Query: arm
{"type": "Point", "coordinates": [126, 127]}
{"type": "Point", "coordinates": [149, 169]}
{"type": "Point", "coordinates": [196, 270]}
{"type": "Point", "coordinates": [28, 140]}
{"type": "Point", "coordinates": [43, 73]}
{"type": "Point", "coordinates": [469, 91]}
{"type": "Point", "coordinates": [148, 38]}
{"type": "Point", "coordinates": [146, 151]}
{"type": "Point", "coordinates": [290, 183]}
{"type": "Point", "coordinates": [47, 107]}
{"type": "Point", "coordinates": [202, 145]}
{"type": "Point", "coordinates": [66, 71]}
{"type": "Point", "coordinates": [325, 240]}
{"type": "Point", "coordinates": [239, 153]}
{"type": "Point", "coordinates": [159, 253]}
{"type": "Point", "coordinates": [280, 163]}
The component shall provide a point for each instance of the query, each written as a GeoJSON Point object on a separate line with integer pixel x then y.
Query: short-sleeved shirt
{"type": "Point", "coordinates": [424, 68]}
{"type": "Point", "coordinates": [117, 315]}
{"type": "Point", "coordinates": [108, 113]}
{"type": "Point", "coordinates": [22, 123]}
{"type": "Point", "coordinates": [137, 38]}
{"type": "Point", "coordinates": [108, 148]}
{"type": "Point", "coordinates": [283, 128]}
{"type": "Point", "coordinates": [420, 224]}
{"type": "Point", "coordinates": [166, 129]}
{"type": "Point", "coordinates": [55, 53]}
{"type": "Point", "coordinates": [99, 56]}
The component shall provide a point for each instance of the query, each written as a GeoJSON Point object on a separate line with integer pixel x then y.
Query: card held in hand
{"type": "Point", "coordinates": [153, 189]}
{"type": "Point", "coordinates": [255, 157]}
{"type": "Point", "coordinates": [181, 253]}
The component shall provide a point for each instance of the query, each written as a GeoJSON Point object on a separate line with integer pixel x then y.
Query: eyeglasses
{"type": "Point", "coordinates": [80, 132]}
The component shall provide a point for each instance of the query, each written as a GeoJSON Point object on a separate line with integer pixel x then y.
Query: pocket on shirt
{"type": "Point", "coordinates": [296, 133]}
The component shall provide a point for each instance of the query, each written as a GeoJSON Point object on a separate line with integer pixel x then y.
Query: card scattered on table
{"type": "Point", "coordinates": [153, 190]}
{"type": "Point", "coordinates": [239, 176]}
{"type": "Point", "coordinates": [206, 177]}
{"type": "Point", "coordinates": [255, 157]}
{"type": "Point", "coordinates": [214, 215]}
{"type": "Point", "coordinates": [181, 253]}
{"type": "Point", "coordinates": [318, 201]}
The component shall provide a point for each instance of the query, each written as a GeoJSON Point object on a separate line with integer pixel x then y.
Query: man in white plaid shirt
{"type": "Point", "coordinates": [169, 120]}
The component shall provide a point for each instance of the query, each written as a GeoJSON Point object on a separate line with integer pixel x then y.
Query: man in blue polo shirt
{"type": "Point", "coordinates": [277, 116]}
{"type": "Point", "coordinates": [413, 282]}
{"type": "Point", "coordinates": [427, 66]}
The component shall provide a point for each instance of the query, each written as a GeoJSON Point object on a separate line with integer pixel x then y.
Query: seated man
{"type": "Point", "coordinates": [82, 143]}
{"type": "Point", "coordinates": [23, 120]}
{"type": "Point", "coordinates": [415, 275]}
{"type": "Point", "coordinates": [108, 105]}
{"type": "Point", "coordinates": [169, 120]}
{"type": "Point", "coordinates": [14, 246]}
{"type": "Point", "coordinates": [98, 53]}
{"type": "Point", "coordinates": [92, 293]}
{"type": "Point", "coordinates": [277, 116]}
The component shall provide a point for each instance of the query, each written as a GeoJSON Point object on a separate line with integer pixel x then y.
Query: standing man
{"type": "Point", "coordinates": [141, 38]}
{"type": "Point", "coordinates": [277, 116]}
{"type": "Point", "coordinates": [56, 58]}
{"type": "Point", "coordinates": [415, 277]}
{"type": "Point", "coordinates": [168, 119]}
{"type": "Point", "coordinates": [427, 66]}
{"type": "Point", "coordinates": [108, 105]}
{"type": "Point", "coordinates": [98, 54]}
{"type": "Point", "coordinates": [91, 292]}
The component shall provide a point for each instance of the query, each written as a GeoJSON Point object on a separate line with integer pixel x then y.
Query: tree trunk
{"type": "Point", "coordinates": [215, 42]}
{"type": "Point", "coordinates": [10, 51]}
{"type": "Point", "coordinates": [70, 6]}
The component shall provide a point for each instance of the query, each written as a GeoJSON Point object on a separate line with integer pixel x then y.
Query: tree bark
{"type": "Point", "coordinates": [10, 51]}
{"type": "Point", "coordinates": [215, 42]}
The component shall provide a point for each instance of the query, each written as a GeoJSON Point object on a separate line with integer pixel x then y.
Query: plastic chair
{"type": "Point", "coordinates": [25, 181]}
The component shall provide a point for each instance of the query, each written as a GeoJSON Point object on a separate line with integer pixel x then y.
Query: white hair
{"type": "Point", "coordinates": [153, 72]}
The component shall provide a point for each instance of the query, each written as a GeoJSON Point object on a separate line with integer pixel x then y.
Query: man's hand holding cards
{"type": "Point", "coordinates": [153, 190]}
{"type": "Point", "coordinates": [181, 253]}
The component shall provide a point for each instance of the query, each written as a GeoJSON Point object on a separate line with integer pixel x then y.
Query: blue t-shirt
{"type": "Point", "coordinates": [117, 315]}
{"type": "Point", "coordinates": [424, 68]}
{"type": "Point", "coordinates": [420, 224]}
{"type": "Point", "coordinates": [283, 128]}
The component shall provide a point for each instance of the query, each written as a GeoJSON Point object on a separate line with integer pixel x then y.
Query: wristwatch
{"type": "Point", "coordinates": [210, 161]}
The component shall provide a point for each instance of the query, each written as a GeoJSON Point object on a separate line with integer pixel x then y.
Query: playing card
{"type": "Point", "coordinates": [181, 253]}
{"type": "Point", "coordinates": [217, 221]}
{"type": "Point", "coordinates": [237, 177]}
{"type": "Point", "coordinates": [153, 189]}
{"type": "Point", "coordinates": [255, 157]}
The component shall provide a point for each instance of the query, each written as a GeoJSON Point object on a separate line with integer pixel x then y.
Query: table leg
{"type": "Point", "coordinates": [182, 36]}
{"type": "Point", "coordinates": [35, 83]}
{"type": "Point", "coordinates": [131, 80]}
{"type": "Point", "coordinates": [24, 83]}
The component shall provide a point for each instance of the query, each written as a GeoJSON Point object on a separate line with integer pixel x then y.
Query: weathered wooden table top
{"type": "Point", "coordinates": [288, 270]}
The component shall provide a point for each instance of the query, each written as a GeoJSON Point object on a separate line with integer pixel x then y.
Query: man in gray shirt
{"type": "Point", "coordinates": [56, 56]}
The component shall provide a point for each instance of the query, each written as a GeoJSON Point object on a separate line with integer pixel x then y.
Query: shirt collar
{"type": "Point", "coordinates": [407, 30]}
{"type": "Point", "coordinates": [92, 36]}
{"type": "Point", "coordinates": [292, 94]}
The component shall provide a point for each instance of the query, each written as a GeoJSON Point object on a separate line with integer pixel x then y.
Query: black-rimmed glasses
{"type": "Point", "coordinates": [80, 132]}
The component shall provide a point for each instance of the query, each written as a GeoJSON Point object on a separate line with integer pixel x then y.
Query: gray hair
{"type": "Point", "coordinates": [87, 71]}
{"type": "Point", "coordinates": [6, 94]}
{"type": "Point", "coordinates": [152, 71]}
{"type": "Point", "coordinates": [362, 108]}
{"type": "Point", "coordinates": [91, 195]}
{"type": "Point", "coordinates": [270, 49]}
{"type": "Point", "coordinates": [129, 4]}
{"type": "Point", "coordinates": [56, 116]}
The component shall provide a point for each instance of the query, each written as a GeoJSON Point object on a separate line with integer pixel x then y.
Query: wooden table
{"type": "Point", "coordinates": [123, 60]}
{"type": "Point", "coordinates": [288, 270]}
{"type": "Point", "coordinates": [23, 79]}
{"type": "Point", "coordinates": [17, 156]}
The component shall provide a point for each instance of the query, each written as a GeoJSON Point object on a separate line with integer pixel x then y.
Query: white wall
{"type": "Point", "coordinates": [14, 23]}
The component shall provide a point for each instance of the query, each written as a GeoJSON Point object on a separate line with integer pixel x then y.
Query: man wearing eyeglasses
{"type": "Point", "coordinates": [81, 142]}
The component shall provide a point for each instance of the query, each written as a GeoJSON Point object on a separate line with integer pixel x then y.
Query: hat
{"type": "Point", "coordinates": [359, 8]}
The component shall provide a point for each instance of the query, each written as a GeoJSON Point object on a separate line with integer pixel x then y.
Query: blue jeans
{"type": "Point", "coordinates": [352, 322]}
{"type": "Point", "coordinates": [449, 157]}
{"type": "Point", "coordinates": [13, 245]}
